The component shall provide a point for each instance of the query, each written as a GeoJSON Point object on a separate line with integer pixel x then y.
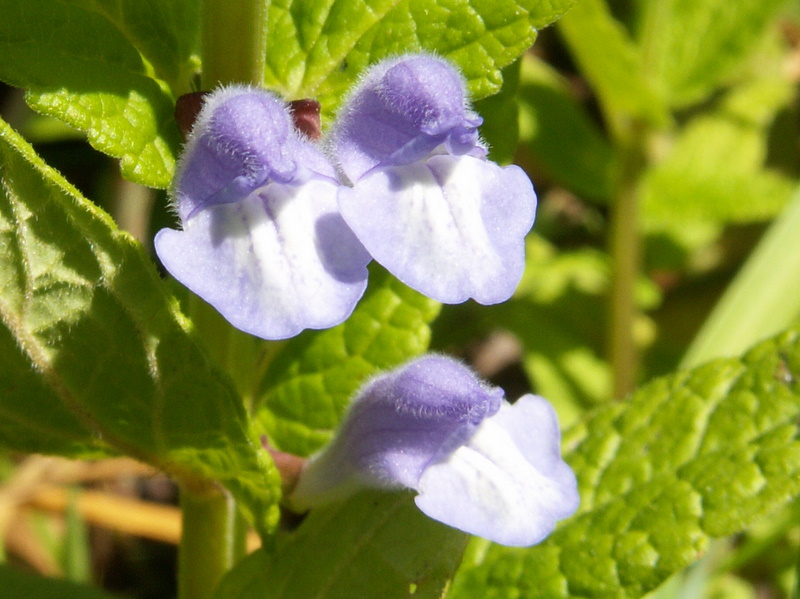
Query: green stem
{"type": "Point", "coordinates": [233, 50]}
{"type": "Point", "coordinates": [624, 248]}
{"type": "Point", "coordinates": [234, 42]}
{"type": "Point", "coordinates": [244, 357]}
{"type": "Point", "coordinates": [210, 541]}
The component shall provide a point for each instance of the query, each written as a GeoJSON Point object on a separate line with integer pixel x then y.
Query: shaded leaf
{"type": "Point", "coordinates": [373, 545]}
{"type": "Point", "coordinates": [564, 140]}
{"type": "Point", "coordinates": [22, 585]}
{"type": "Point", "coordinates": [166, 34]}
{"type": "Point", "coordinates": [96, 357]}
{"type": "Point", "coordinates": [500, 113]}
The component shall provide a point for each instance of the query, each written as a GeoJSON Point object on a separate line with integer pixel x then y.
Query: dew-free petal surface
{"type": "Point", "coordinates": [275, 263]}
{"type": "Point", "coordinates": [451, 227]}
{"type": "Point", "coordinates": [502, 486]}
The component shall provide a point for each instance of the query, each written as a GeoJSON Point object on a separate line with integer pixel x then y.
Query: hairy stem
{"type": "Point", "coordinates": [234, 42]}
{"type": "Point", "coordinates": [233, 50]}
{"type": "Point", "coordinates": [210, 541]}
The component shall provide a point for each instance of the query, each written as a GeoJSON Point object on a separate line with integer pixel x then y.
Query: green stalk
{"type": "Point", "coordinates": [210, 540]}
{"type": "Point", "coordinates": [234, 41]}
{"type": "Point", "coordinates": [624, 248]}
{"type": "Point", "coordinates": [244, 357]}
{"type": "Point", "coordinates": [233, 50]}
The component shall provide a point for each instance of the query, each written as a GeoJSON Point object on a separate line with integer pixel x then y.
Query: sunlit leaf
{"type": "Point", "coordinates": [695, 455]}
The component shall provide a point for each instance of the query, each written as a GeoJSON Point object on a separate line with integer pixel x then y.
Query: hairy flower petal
{"type": "Point", "coordinates": [273, 264]}
{"type": "Point", "coordinates": [263, 240]}
{"type": "Point", "coordinates": [242, 139]}
{"type": "Point", "coordinates": [424, 200]}
{"type": "Point", "coordinates": [453, 229]}
{"type": "Point", "coordinates": [478, 463]}
{"type": "Point", "coordinates": [495, 487]}
{"type": "Point", "coordinates": [403, 110]}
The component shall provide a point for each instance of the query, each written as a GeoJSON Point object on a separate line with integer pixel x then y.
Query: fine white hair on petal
{"type": "Point", "coordinates": [495, 488]}
{"type": "Point", "coordinates": [402, 109]}
{"type": "Point", "coordinates": [263, 240]}
{"type": "Point", "coordinates": [479, 464]}
{"type": "Point", "coordinates": [243, 138]}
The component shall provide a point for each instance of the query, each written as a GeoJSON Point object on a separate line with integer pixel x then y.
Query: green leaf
{"type": "Point", "coordinates": [699, 454]}
{"type": "Point", "coordinates": [557, 313]}
{"type": "Point", "coordinates": [80, 62]}
{"type": "Point", "coordinates": [691, 47]}
{"type": "Point", "coordinates": [373, 545]}
{"type": "Point", "coordinates": [241, 355]}
{"type": "Point", "coordinates": [166, 34]}
{"type": "Point", "coordinates": [308, 386]}
{"type": "Point", "coordinates": [22, 585]}
{"type": "Point", "coordinates": [612, 62]}
{"type": "Point", "coordinates": [715, 171]}
{"type": "Point", "coordinates": [319, 48]}
{"type": "Point", "coordinates": [563, 138]}
{"type": "Point", "coordinates": [96, 356]}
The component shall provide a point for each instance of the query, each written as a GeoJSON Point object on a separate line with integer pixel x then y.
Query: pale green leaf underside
{"type": "Point", "coordinates": [690, 47]}
{"type": "Point", "coordinates": [373, 545]}
{"type": "Point", "coordinates": [698, 454]}
{"type": "Point", "coordinates": [308, 386]}
{"type": "Point", "coordinates": [83, 65]}
{"type": "Point", "coordinates": [715, 170]}
{"type": "Point", "coordinates": [95, 355]}
{"type": "Point", "coordinates": [611, 61]}
{"type": "Point", "coordinates": [319, 48]}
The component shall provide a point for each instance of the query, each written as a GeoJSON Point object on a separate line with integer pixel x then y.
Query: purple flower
{"type": "Point", "coordinates": [424, 200]}
{"type": "Point", "coordinates": [275, 242]}
{"type": "Point", "coordinates": [478, 463]}
{"type": "Point", "coordinates": [263, 240]}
